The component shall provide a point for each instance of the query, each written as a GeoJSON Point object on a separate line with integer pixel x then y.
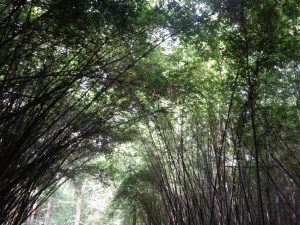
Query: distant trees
{"type": "Point", "coordinates": [61, 207]}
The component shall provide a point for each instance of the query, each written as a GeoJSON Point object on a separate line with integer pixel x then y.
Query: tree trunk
{"type": "Point", "coordinates": [49, 210]}
{"type": "Point", "coordinates": [134, 217]}
{"type": "Point", "coordinates": [91, 211]}
{"type": "Point", "coordinates": [78, 205]}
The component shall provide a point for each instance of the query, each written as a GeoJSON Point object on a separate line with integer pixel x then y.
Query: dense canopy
{"type": "Point", "coordinates": [185, 111]}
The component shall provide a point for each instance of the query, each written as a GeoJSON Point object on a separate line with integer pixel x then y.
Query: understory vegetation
{"type": "Point", "coordinates": [149, 112]}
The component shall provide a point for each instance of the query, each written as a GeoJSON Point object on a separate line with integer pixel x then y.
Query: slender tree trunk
{"type": "Point", "coordinates": [78, 205]}
{"type": "Point", "coordinates": [134, 219]}
{"type": "Point", "coordinates": [49, 210]}
{"type": "Point", "coordinates": [91, 211]}
{"type": "Point", "coordinates": [78, 211]}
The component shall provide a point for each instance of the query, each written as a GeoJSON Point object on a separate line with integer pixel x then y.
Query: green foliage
{"type": "Point", "coordinates": [202, 129]}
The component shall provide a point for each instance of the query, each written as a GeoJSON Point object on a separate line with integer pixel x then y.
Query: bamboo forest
{"type": "Point", "coordinates": [149, 112]}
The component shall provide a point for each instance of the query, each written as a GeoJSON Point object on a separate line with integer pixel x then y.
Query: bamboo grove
{"type": "Point", "coordinates": [216, 121]}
